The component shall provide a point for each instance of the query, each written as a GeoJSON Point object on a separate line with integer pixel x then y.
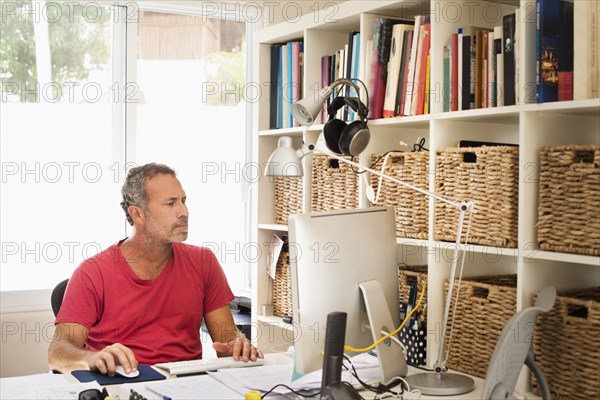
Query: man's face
{"type": "Point", "coordinates": [166, 213]}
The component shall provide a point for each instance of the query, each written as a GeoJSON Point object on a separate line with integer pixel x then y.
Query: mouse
{"type": "Point", "coordinates": [122, 372]}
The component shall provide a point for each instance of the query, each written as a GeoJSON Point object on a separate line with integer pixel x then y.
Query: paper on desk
{"type": "Point", "coordinates": [264, 378]}
{"type": "Point", "coordinates": [43, 386]}
{"type": "Point", "coordinates": [192, 387]}
{"type": "Point", "coordinates": [274, 250]}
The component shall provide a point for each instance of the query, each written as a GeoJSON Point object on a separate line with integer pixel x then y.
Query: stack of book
{"type": "Point", "coordinates": [567, 53]}
{"type": "Point", "coordinates": [481, 66]}
{"type": "Point", "coordinates": [286, 79]}
{"type": "Point", "coordinates": [398, 68]}
{"type": "Point", "coordinates": [345, 63]}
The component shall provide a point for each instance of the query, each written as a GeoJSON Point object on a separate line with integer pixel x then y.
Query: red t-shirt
{"type": "Point", "coordinates": [159, 319]}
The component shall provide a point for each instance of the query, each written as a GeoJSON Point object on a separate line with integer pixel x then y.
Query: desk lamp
{"type": "Point", "coordinates": [285, 161]}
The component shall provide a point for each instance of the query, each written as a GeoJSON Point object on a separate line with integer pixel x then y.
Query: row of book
{"type": "Point", "coordinates": [481, 66]}
{"type": "Point", "coordinates": [344, 63]}
{"type": "Point", "coordinates": [286, 79]}
{"type": "Point", "coordinates": [398, 67]}
{"type": "Point", "coordinates": [567, 47]}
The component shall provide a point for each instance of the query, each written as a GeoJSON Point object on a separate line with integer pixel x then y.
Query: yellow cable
{"type": "Point", "coordinates": [371, 347]}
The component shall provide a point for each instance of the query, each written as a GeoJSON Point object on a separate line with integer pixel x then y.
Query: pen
{"type": "Point", "coordinates": [158, 394]}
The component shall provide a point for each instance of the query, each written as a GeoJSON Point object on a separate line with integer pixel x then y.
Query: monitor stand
{"type": "Point", "coordinates": [391, 358]}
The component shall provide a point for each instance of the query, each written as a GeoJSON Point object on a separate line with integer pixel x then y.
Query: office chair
{"type": "Point", "coordinates": [58, 293]}
{"type": "Point", "coordinates": [514, 349]}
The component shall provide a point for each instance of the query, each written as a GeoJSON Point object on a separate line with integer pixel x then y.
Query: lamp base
{"type": "Point", "coordinates": [444, 384]}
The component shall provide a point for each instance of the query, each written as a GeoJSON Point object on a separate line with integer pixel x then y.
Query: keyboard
{"type": "Point", "coordinates": [205, 365]}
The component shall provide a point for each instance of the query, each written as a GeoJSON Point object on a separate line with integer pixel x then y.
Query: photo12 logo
{"type": "Point", "coordinates": [68, 11]}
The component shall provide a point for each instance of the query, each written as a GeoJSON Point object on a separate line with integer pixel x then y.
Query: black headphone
{"type": "Point", "coordinates": [347, 139]}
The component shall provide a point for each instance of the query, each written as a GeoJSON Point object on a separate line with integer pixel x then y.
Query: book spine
{"type": "Point", "coordinates": [274, 86]}
{"type": "Point", "coordinates": [454, 74]}
{"type": "Point", "coordinates": [466, 73]}
{"type": "Point", "coordinates": [403, 76]}
{"type": "Point", "coordinates": [459, 84]}
{"type": "Point", "coordinates": [565, 51]}
{"type": "Point", "coordinates": [478, 83]}
{"type": "Point", "coordinates": [491, 71]}
{"type": "Point", "coordinates": [410, 82]}
{"type": "Point", "coordinates": [498, 48]}
{"type": "Point", "coordinates": [393, 71]}
{"type": "Point", "coordinates": [447, 79]}
{"type": "Point", "coordinates": [426, 109]}
{"type": "Point", "coordinates": [422, 83]}
{"type": "Point", "coordinates": [547, 33]}
{"type": "Point", "coordinates": [509, 59]}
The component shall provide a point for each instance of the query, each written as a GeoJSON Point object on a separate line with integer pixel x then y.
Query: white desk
{"type": "Point", "coordinates": [273, 359]}
{"type": "Point", "coordinates": [208, 386]}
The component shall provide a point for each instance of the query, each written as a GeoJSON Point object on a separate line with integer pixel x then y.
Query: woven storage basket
{"type": "Point", "coordinates": [334, 185]}
{"type": "Point", "coordinates": [288, 198]}
{"type": "Point", "coordinates": [570, 199]}
{"type": "Point", "coordinates": [490, 177]}
{"type": "Point", "coordinates": [566, 343]}
{"type": "Point", "coordinates": [282, 286]}
{"type": "Point", "coordinates": [410, 275]}
{"type": "Point", "coordinates": [485, 304]}
{"type": "Point", "coordinates": [412, 208]}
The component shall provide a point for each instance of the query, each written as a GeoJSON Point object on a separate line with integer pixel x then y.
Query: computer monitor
{"type": "Point", "coordinates": [345, 261]}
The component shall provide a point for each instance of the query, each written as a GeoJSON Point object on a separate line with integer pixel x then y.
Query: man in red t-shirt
{"type": "Point", "coordinates": [143, 299]}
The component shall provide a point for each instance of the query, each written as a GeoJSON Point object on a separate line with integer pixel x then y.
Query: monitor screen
{"type": "Point", "coordinates": [345, 261]}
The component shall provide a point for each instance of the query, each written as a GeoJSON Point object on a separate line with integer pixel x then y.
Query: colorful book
{"type": "Point", "coordinates": [382, 35]}
{"type": "Point", "coordinates": [421, 77]}
{"type": "Point", "coordinates": [447, 58]}
{"type": "Point", "coordinates": [325, 81]}
{"type": "Point", "coordinates": [565, 51]}
{"type": "Point", "coordinates": [454, 73]}
{"type": "Point", "coordinates": [274, 87]}
{"type": "Point", "coordinates": [403, 74]}
{"type": "Point", "coordinates": [508, 56]}
{"type": "Point", "coordinates": [585, 43]}
{"type": "Point", "coordinates": [394, 65]}
{"type": "Point", "coordinates": [411, 88]}
{"type": "Point", "coordinates": [547, 56]}
{"type": "Point", "coordinates": [498, 100]}
{"type": "Point", "coordinates": [491, 71]}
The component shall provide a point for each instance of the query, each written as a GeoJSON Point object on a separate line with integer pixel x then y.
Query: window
{"type": "Point", "coordinates": [191, 73]}
{"type": "Point", "coordinates": [64, 146]}
{"type": "Point", "coordinates": [62, 137]}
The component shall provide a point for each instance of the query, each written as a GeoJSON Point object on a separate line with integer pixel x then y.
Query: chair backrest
{"type": "Point", "coordinates": [513, 350]}
{"type": "Point", "coordinates": [57, 296]}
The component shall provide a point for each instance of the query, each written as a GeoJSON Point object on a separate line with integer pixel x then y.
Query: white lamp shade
{"type": "Point", "coordinates": [284, 161]}
{"type": "Point", "coordinates": [306, 110]}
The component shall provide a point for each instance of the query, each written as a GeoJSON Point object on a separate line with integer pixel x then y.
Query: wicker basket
{"type": "Point", "coordinates": [334, 185]}
{"type": "Point", "coordinates": [408, 276]}
{"type": "Point", "coordinates": [490, 177]}
{"type": "Point", "coordinates": [282, 286]}
{"type": "Point", "coordinates": [288, 198]}
{"type": "Point", "coordinates": [412, 208]}
{"type": "Point", "coordinates": [485, 304]}
{"type": "Point", "coordinates": [566, 343]}
{"type": "Point", "coordinates": [570, 199]}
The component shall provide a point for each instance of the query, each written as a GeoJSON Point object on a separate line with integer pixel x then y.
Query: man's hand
{"type": "Point", "coordinates": [240, 348]}
{"type": "Point", "coordinates": [106, 360]}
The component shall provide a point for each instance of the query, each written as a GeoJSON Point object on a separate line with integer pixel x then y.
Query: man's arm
{"type": "Point", "coordinates": [67, 353]}
{"type": "Point", "coordinates": [227, 340]}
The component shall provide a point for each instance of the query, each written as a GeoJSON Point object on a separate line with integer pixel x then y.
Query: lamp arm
{"type": "Point", "coordinates": [440, 364]}
{"type": "Point", "coordinates": [462, 206]}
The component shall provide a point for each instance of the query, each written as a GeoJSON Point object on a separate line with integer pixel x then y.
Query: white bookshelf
{"type": "Point", "coordinates": [529, 125]}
